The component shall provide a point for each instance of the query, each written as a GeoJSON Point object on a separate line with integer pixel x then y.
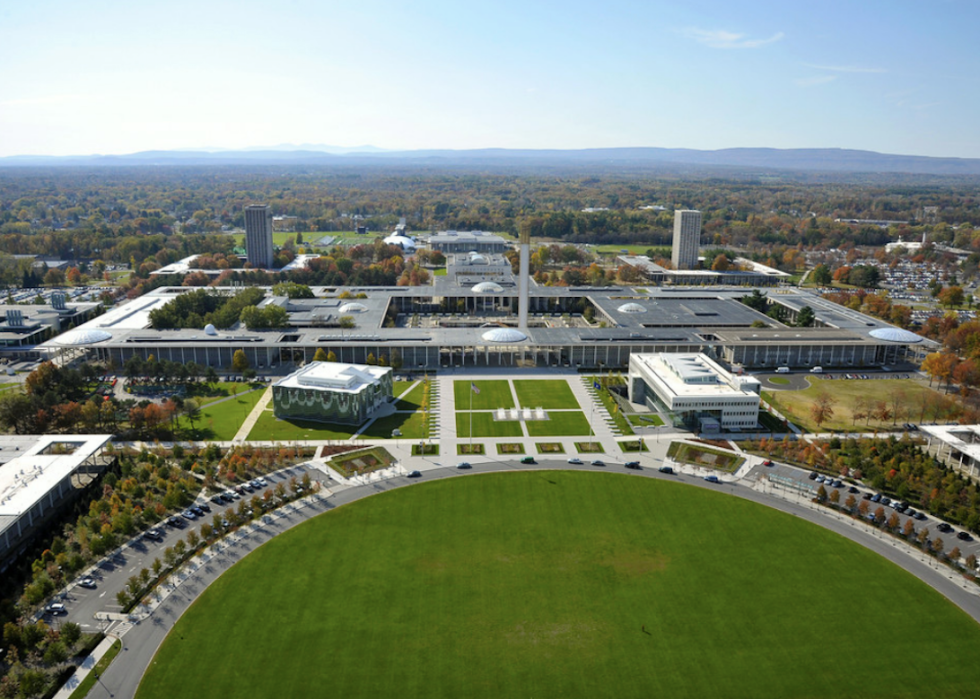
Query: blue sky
{"type": "Point", "coordinates": [103, 76]}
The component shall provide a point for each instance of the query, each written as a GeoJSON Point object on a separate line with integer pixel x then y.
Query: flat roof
{"type": "Point", "coordinates": [334, 376]}
{"type": "Point", "coordinates": [679, 373]}
{"type": "Point", "coordinates": [27, 478]}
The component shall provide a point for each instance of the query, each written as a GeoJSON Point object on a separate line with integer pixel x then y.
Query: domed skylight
{"type": "Point", "coordinates": [83, 336]}
{"type": "Point", "coordinates": [504, 335]}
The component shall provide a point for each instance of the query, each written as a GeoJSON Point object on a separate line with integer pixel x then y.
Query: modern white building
{"type": "Point", "coordinates": [687, 239]}
{"type": "Point", "coordinates": [332, 392]}
{"type": "Point", "coordinates": [41, 475]}
{"type": "Point", "coordinates": [258, 236]}
{"type": "Point", "coordinates": [695, 391]}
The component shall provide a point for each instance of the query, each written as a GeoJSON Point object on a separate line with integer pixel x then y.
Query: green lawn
{"type": "Point", "coordinates": [485, 426]}
{"type": "Point", "coordinates": [410, 424]}
{"type": "Point", "coordinates": [411, 400]}
{"type": "Point", "coordinates": [493, 394]}
{"type": "Point", "coordinates": [908, 399]}
{"type": "Point", "coordinates": [548, 394]}
{"type": "Point", "coordinates": [560, 424]}
{"type": "Point", "coordinates": [269, 428]}
{"type": "Point", "coordinates": [565, 584]}
{"type": "Point", "coordinates": [641, 419]}
{"type": "Point", "coordinates": [220, 421]}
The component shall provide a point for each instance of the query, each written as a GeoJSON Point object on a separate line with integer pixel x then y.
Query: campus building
{"type": "Point", "coordinates": [687, 239]}
{"type": "Point", "coordinates": [332, 392]}
{"type": "Point", "coordinates": [695, 391]}
{"type": "Point", "coordinates": [39, 477]}
{"type": "Point", "coordinates": [258, 236]}
{"type": "Point", "coordinates": [468, 241]}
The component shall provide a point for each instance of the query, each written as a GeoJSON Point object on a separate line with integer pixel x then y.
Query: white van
{"type": "Point", "coordinates": [816, 370]}
{"type": "Point", "coordinates": [782, 370]}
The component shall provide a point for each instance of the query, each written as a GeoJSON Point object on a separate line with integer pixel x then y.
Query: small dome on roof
{"type": "Point", "coordinates": [478, 259]}
{"type": "Point", "coordinates": [402, 241]}
{"type": "Point", "coordinates": [895, 335]}
{"type": "Point", "coordinates": [83, 336]}
{"type": "Point", "coordinates": [209, 329]}
{"type": "Point", "coordinates": [353, 308]}
{"type": "Point", "coordinates": [504, 335]}
{"type": "Point", "coordinates": [632, 308]}
{"type": "Point", "coordinates": [487, 288]}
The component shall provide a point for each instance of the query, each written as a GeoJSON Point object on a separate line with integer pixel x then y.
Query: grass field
{"type": "Point", "coordinates": [493, 394]}
{"type": "Point", "coordinates": [565, 584]}
{"type": "Point", "coordinates": [485, 426]}
{"type": "Point", "coordinates": [550, 394]}
{"type": "Point", "coordinates": [221, 421]}
{"type": "Point", "coordinates": [267, 427]}
{"type": "Point", "coordinates": [905, 394]}
{"type": "Point", "coordinates": [560, 424]}
{"type": "Point", "coordinates": [641, 419]}
{"type": "Point", "coordinates": [410, 424]}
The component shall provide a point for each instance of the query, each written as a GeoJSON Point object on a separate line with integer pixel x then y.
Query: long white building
{"type": "Point", "coordinates": [695, 390]}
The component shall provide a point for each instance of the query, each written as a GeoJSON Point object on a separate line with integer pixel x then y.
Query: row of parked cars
{"type": "Point", "coordinates": [899, 506]}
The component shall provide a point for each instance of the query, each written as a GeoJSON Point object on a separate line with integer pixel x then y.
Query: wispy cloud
{"type": "Point", "coordinates": [721, 39]}
{"type": "Point", "coordinates": [815, 80]}
{"type": "Point", "coordinates": [847, 69]}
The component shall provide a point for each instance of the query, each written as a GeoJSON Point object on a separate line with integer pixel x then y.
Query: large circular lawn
{"type": "Point", "coordinates": [565, 584]}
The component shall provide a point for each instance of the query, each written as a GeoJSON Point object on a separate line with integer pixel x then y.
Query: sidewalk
{"type": "Point", "coordinates": [253, 416]}
{"type": "Point", "coordinates": [88, 664]}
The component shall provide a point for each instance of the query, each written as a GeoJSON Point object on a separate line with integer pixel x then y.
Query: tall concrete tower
{"type": "Point", "coordinates": [258, 236]}
{"type": "Point", "coordinates": [687, 239]}
{"type": "Point", "coordinates": [523, 279]}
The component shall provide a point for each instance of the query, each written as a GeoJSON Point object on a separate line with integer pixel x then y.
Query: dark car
{"type": "Point", "coordinates": [666, 469]}
{"type": "Point", "coordinates": [415, 474]}
{"type": "Point", "coordinates": [866, 496]}
{"type": "Point", "coordinates": [598, 462]}
{"type": "Point", "coordinates": [528, 460]}
{"type": "Point", "coordinates": [813, 475]}
{"type": "Point", "coordinates": [199, 511]}
{"type": "Point", "coordinates": [712, 479]}
{"type": "Point", "coordinates": [964, 536]}
{"type": "Point", "coordinates": [463, 464]}
{"type": "Point", "coordinates": [635, 465]}
{"type": "Point", "coordinates": [204, 506]}
{"type": "Point", "coordinates": [176, 521]}
{"type": "Point", "coordinates": [944, 528]}
{"type": "Point", "coordinates": [919, 515]}
{"type": "Point", "coordinates": [853, 491]}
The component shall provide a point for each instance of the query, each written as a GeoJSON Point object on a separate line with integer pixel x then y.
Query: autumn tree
{"type": "Point", "coordinates": [822, 408]}
{"type": "Point", "coordinates": [320, 355]}
{"type": "Point", "coordinates": [239, 361]}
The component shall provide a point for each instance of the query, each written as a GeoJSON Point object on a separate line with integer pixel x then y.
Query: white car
{"type": "Point", "coordinates": [577, 462]}
{"type": "Point", "coordinates": [57, 609]}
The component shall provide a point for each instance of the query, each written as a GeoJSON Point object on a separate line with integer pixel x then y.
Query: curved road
{"type": "Point", "coordinates": [141, 642]}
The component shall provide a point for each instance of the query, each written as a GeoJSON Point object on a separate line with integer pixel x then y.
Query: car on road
{"type": "Point", "coordinates": [56, 609]}
{"type": "Point", "coordinates": [528, 460]}
{"type": "Point", "coordinates": [463, 464]}
{"type": "Point", "coordinates": [666, 469]}
{"type": "Point", "coordinates": [87, 582]}
{"type": "Point", "coordinates": [712, 479]}
{"type": "Point", "coordinates": [577, 462]}
{"type": "Point", "coordinates": [415, 474]}
{"type": "Point", "coordinates": [635, 465]}
{"type": "Point", "coordinates": [598, 462]}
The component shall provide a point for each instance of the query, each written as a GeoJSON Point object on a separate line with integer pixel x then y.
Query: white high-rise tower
{"type": "Point", "coordinates": [687, 239]}
{"type": "Point", "coordinates": [523, 279]}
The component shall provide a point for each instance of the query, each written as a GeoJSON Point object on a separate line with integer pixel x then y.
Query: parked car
{"type": "Point", "coordinates": [666, 469]}
{"type": "Point", "coordinates": [87, 582]}
{"type": "Point", "coordinates": [964, 536]}
{"type": "Point", "coordinates": [463, 464]}
{"type": "Point", "coordinates": [56, 609]}
{"type": "Point", "coordinates": [767, 462]}
{"type": "Point", "coordinates": [944, 528]}
{"type": "Point", "coordinates": [188, 515]}
{"type": "Point", "coordinates": [813, 475]}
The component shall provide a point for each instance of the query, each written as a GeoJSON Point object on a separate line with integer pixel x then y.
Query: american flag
{"type": "Point", "coordinates": [475, 389]}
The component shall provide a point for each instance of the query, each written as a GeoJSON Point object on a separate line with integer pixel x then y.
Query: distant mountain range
{"type": "Point", "coordinates": [826, 160]}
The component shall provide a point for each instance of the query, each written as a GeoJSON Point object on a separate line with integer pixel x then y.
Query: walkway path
{"type": "Point", "coordinates": [253, 416]}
